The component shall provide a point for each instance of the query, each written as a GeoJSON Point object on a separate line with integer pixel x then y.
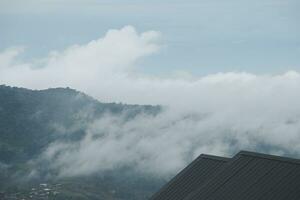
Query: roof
{"type": "Point", "coordinates": [190, 178]}
{"type": "Point", "coordinates": [247, 176]}
{"type": "Point", "coordinates": [253, 176]}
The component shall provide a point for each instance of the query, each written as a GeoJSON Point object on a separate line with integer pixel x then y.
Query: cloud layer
{"type": "Point", "coordinates": [218, 113]}
{"type": "Point", "coordinates": [85, 66]}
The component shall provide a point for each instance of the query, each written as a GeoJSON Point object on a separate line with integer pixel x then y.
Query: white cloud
{"type": "Point", "coordinates": [82, 66]}
{"type": "Point", "coordinates": [7, 58]}
{"type": "Point", "coordinates": [218, 113]}
{"type": "Point", "coordinates": [163, 144]}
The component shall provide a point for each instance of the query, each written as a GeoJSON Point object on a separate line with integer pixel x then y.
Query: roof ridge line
{"type": "Point", "coordinates": [270, 157]}
{"type": "Point", "coordinates": [213, 157]}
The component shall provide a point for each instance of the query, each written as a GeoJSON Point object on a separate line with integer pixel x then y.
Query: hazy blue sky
{"type": "Point", "coordinates": [200, 36]}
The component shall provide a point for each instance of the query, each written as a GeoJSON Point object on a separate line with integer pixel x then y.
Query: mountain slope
{"type": "Point", "coordinates": [30, 120]}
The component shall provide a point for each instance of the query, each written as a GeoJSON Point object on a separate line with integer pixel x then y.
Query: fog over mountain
{"type": "Point", "coordinates": [226, 118]}
{"type": "Point", "coordinates": [218, 113]}
{"type": "Point", "coordinates": [33, 122]}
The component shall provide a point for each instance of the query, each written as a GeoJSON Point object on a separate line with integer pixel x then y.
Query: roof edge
{"type": "Point", "coordinates": [269, 157]}
{"type": "Point", "coordinates": [213, 157]}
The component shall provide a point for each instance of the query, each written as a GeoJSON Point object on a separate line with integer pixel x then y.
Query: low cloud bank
{"type": "Point", "coordinates": [163, 144]}
{"type": "Point", "coordinates": [218, 113]}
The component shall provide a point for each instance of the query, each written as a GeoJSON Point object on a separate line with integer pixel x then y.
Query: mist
{"type": "Point", "coordinates": [217, 114]}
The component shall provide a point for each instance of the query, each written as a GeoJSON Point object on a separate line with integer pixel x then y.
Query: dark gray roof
{"type": "Point", "coordinates": [253, 176]}
{"type": "Point", "coordinates": [193, 176]}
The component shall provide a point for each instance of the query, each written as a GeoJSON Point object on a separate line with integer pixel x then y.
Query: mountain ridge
{"type": "Point", "coordinates": [31, 120]}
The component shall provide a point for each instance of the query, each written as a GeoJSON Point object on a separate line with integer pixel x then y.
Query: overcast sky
{"type": "Point", "coordinates": [198, 36]}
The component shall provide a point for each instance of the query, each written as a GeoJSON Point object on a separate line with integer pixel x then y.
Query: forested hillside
{"type": "Point", "coordinates": [31, 120]}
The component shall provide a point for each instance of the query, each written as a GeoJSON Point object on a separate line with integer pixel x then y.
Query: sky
{"type": "Point", "coordinates": [198, 36]}
{"type": "Point", "coordinates": [226, 73]}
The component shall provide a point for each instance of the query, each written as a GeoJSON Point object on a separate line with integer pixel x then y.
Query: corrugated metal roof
{"type": "Point", "coordinates": [193, 176]}
{"type": "Point", "coordinates": [253, 176]}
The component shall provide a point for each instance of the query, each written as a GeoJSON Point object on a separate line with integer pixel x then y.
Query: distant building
{"type": "Point", "coordinates": [246, 176]}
